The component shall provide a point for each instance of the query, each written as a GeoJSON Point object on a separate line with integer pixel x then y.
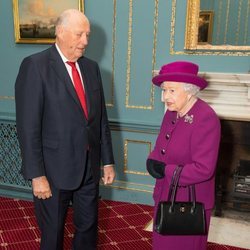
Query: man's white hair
{"type": "Point", "coordinates": [65, 16]}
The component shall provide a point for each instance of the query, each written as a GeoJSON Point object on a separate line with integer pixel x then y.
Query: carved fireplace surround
{"type": "Point", "coordinates": [228, 94]}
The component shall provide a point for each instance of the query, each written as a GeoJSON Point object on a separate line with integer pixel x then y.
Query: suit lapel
{"type": "Point", "coordinates": [59, 67]}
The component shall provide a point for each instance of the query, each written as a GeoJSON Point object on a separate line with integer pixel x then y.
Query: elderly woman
{"type": "Point", "coordinates": [189, 136]}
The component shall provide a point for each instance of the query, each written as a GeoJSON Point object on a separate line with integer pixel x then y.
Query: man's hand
{"type": "Point", "coordinates": [109, 174]}
{"type": "Point", "coordinates": [41, 188]}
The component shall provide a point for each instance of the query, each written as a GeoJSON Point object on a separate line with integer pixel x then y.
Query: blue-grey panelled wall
{"type": "Point", "coordinates": [129, 39]}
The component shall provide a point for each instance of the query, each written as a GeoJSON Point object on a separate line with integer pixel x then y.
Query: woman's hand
{"type": "Point", "coordinates": [156, 168]}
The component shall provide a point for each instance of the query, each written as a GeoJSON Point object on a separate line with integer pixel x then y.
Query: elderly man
{"type": "Point", "coordinates": [63, 132]}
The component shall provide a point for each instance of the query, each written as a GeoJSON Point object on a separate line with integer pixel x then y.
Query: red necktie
{"type": "Point", "coordinates": [78, 87]}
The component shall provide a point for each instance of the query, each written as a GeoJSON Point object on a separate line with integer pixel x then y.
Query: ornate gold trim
{"type": "Point", "coordinates": [7, 98]}
{"type": "Point", "coordinates": [134, 183]}
{"type": "Point", "coordinates": [172, 29]}
{"type": "Point", "coordinates": [246, 24]}
{"type": "Point", "coordinates": [121, 185]}
{"type": "Point", "coordinates": [113, 55]}
{"type": "Point", "coordinates": [238, 23]}
{"type": "Point", "coordinates": [156, 14]}
{"type": "Point", "coordinates": [133, 131]}
{"type": "Point", "coordinates": [191, 34]}
{"type": "Point", "coordinates": [227, 16]}
{"type": "Point", "coordinates": [127, 188]}
{"type": "Point", "coordinates": [126, 142]}
{"type": "Point", "coordinates": [219, 21]}
{"type": "Point", "coordinates": [127, 105]}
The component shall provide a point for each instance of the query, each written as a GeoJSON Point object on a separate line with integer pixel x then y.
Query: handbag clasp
{"type": "Point", "coordinates": [182, 209]}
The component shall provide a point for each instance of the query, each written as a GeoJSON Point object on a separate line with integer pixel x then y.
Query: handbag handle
{"type": "Point", "coordinates": [174, 182]}
{"type": "Point", "coordinates": [173, 190]}
{"type": "Point", "coordinates": [193, 197]}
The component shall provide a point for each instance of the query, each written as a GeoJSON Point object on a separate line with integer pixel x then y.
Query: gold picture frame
{"type": "Point", "coordinates": [191, 33]}
{"type": "Point", "coordinates": [34, 21]}
{"type": "Point", "coordinates": [205, 27]}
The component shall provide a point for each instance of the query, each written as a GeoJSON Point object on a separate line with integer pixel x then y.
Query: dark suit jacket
{"type": "Point", "coordinates": [53, 132]}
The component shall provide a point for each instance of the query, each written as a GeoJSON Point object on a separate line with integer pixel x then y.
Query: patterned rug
{"type": "Point", "coordinates": [121, 226]}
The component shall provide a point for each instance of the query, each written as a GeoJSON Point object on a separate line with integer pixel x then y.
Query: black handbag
{"type": "Point", "coordinates": [180, 217]}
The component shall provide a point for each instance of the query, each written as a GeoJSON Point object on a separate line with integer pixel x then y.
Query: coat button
{"type": "Point", "coordinates": [173, 122]}
{"type": "Point", "coordinates": [163, 151]}
{"type": "Point", "coordinates": [167, 136]}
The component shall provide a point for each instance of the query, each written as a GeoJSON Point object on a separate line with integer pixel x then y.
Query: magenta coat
{"type": "Point", "coordinates": [192, 141]}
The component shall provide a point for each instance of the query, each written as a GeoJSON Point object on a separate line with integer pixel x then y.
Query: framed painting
{"type": "Point", "coordinates": [34, 21]}
{"type": "Point", "coordinates": [205, 27]}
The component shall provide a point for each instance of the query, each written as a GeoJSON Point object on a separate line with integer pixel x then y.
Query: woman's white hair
{"type": "Point", "coordinates": [188, 87]}
{"type": "Point", "coordinates": [191, 88]}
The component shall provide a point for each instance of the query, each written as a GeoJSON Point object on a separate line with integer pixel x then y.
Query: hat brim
{"type": "Point", "coordinates": [180, 77]}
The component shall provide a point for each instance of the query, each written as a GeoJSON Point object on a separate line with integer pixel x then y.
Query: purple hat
{"type": "Point", "coordinates": [180, 71]}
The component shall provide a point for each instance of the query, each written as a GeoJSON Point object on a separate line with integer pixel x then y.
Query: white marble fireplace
{"type": "Point", "coordinates": [228, 94]}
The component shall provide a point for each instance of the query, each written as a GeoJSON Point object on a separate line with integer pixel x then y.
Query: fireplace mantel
{"type": "Point", "coordinates": [228, 94]}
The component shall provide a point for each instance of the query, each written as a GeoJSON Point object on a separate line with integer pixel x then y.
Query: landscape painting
{"type": "Point", "coordinates": [34, 21]}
